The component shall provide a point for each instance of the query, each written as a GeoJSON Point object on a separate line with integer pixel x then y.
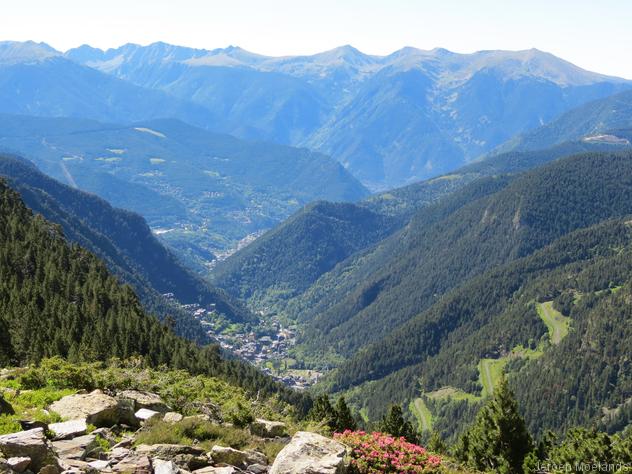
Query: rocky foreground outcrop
{"type": "Point", "coordinates": [311, 453]}
{"type": "Point", "coordinates": [71, 447]}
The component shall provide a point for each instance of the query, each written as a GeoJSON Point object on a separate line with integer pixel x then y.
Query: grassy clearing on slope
{"type": "Point", "coordinates": [452, 393]}
{"type": "Point", "coordinates": [490, 371]}
{"type": "Point", "coordinates": [422, 413]}
{"type": "Point", "coordinates": [556, 323]}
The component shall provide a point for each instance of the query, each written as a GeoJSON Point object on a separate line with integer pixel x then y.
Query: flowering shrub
{"type": "Point", "coordinates": [374, 453]}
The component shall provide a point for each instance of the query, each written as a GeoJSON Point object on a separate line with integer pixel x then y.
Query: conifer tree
{"type": "Point", "coordinates": [498, 440]}
{"type": "Point", "coordinates": [322, 411]}
{"type": "Point", "coordinates": [395, 424]}
{"type": "Point", "coordinates": [344, 419]}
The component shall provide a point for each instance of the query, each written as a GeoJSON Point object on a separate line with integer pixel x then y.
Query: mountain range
{"type": "Point", "coordinates": [390, 120]}
{"type": "Point", "coordinates": [497, 241]}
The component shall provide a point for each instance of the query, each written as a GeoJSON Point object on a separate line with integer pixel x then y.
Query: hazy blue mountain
{"type": "Point", "coordinates": [610, 117]}
{"type": "Point", "coordinates": [34, 80]}
{"type": "Point", "coordinates": [390, 120]}
{"type": "Point", "coordinates": [201, 191]}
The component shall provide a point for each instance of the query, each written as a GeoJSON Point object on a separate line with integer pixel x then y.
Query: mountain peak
{"type": "Point", "coordinates": [25, 51]}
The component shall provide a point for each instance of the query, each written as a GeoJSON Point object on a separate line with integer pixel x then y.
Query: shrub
{"type": "Point", "coordinates": [374, 453]}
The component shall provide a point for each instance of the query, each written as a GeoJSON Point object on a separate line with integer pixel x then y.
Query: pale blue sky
{"type": "Point", "coordinates": [596, 35]}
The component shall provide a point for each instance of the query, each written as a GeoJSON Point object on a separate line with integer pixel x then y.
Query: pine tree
{"type": "Point", "coordinates": [395, 424]}
{"type": "Point", "coordinates": [344, 419]}
{"type": "Point", "coordinates": [498, 440]}
{"type": "Point", "coordinates": [322, 411]}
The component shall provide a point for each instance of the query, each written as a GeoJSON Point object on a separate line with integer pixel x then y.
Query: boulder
{"type": "Point", "coordinates": [50, 469]}
{"type": "Point", "coordinates": [165, 467]}
{"type": "Point", "coordinates": [75, 466]}
{"type": "Point", "coordinates": [172, 417]}
{"type": "Point", "coordinates": [99, 465]}
{"type": "Point", "coordinates": [134, 462]}
{"type": "Point", "coordinates": [79, 448]}
{"type": "Point", "coordinates": [145, 414]}
{"type": "Point", "coordinates": [217, 470]}
{"type": "Point", "coordinates": [255, 457]}
{"type": "Point", "coordinates": [141, 399]}
{"type": "Point", "coordinates": [234, 457]}
{"type": "Point", "coordinates": [257, 469]}
{"type": "Point", "coordinates": [19, 464]}
{"type": "Point", "coordinates": [268, 429]}
{"type": "Point", "coordinates": [31, 444]}
{"type": "Point", "coordinates": [191, 462]}
{"type": "Point", "coordinates": [310, 453]}
{"type": "Point", "coordinates": [117, 454]}
{"type": "Point", "coordinates": [96, 408]}
{"type": "Point", "coordinates": [68, 429]}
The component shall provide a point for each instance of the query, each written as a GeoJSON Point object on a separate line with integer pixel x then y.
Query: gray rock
{"type": "Point", "coordinates": [234, 457]}
{"type": "Point", "coordinates": [145, 414]}
{"type": "Point", "coordinates": [31, 444]}
{"type": "Point", "coordinates": [19, 464]}
{"type": "Point", "coordinates": [172, 417]}
{"type": "Point", "coordinates": [69, 429]}
{"type": "Point", "coordinates": [50, 469]}
{"type": "Point", "coordinates": [165, 467]}
{"type": "Point", "coordinates": [79, 448]}
{"type": "Point", "coordinates": [255, 457]}
{"type": "Point", "coordinates": [257, 469]}
{"type": "Point", "coordinates": [116, 454]}
{"type": "Point", "coordinates": [191, 462]}
{"type": "Point", "coordinates": [311, 453]}
{"type": "Point", "coordinates": [75, 466]}
{"type": "Point", "coordinates": [99, 465]}
{"type": "Point", "coordinates": [217, 470]}
{"type": "Point", "coordinates": [142, 399]}
{"type": "Point", "coordinates": [134, 462]}
{"type": "Point", "coordinates": [96, 408]}
{"type": "Point", "coordinates": [268, 429]}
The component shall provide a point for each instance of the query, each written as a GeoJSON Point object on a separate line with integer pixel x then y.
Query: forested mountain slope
{"type": "Point", "coordinates": [203, 191]}
{"type": "Point", "coordinates": [57, 299]}
{"type": "Point", "coordinates": [443, 246]}
{"type": "Point", "coordinates": [288, 259]}
{"type": "Point", "coordinates": [123, 240]}
{"type": "Point", "coordinates": [444, 357]}
{"type": "Point", "coordinates": [283, 263]}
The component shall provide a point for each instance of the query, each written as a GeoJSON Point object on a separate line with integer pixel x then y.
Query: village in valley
{"type": "Point", "coordinates": [266, 346]}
